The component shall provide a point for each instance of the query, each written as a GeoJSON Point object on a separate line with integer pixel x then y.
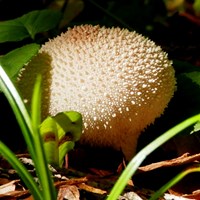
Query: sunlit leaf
{"type": "Point", "coordinates": [60, 133]}
{"type": "Point", "coordinates": [15, 60]}
{"type": "Point", "coordinates": [29, 25]}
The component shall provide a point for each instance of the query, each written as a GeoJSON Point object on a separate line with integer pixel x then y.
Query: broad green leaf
{"type": "Point", "coordinates": [69, 125]}
{"type": "Point", "coordinates": [40, 21]}
{"type": "Point", "coordinates": [48, 130]}
{"type": "Point", "coordinates": [59, 134]}
{"type": "Point", "coordinates": [12, 30]}
{"type": "Point", "coordinates": [29, 25]}
{"type": "Point", "coordinates": [15, 60]}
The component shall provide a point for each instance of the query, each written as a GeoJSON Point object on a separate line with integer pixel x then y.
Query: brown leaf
{"type": "Point", "coordinates": [72, 181]}
{"type": "Point", "coordinates": [194, 195]}
{"type": "Point", "coordinates": [89, 188]}
{"type": "Point", "coordinates": [184, 159]}
{"type": "Point", "coordinates": [68, 192]}
{"type": "Point", "coordinates": [8, 187]}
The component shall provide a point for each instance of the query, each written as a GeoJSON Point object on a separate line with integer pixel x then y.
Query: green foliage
{"type": "Point", "coordinates": [15, 60]}
{"type": "Point", "coordinates": [139, 158]}
{"type": "Point", "coordinates": [33, 134]}
{"type": "Point", "coordinates": [60, 134]}
{"type": "Point", "coordinates": [22, 171]}
{"type": "Point", "coordinates": [28, 25]}
{"type": "Point", "coordinates": [32, 138]}
{"type": "Point", "coordinates": [40, 162]}
{"type": "Point", "coordinates": [185, 103]}
{"type": "Point", "coordinates": [172, 182]}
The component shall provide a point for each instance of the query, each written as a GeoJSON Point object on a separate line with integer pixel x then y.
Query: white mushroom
{"type": "Point", "coordinates": [118, 80]}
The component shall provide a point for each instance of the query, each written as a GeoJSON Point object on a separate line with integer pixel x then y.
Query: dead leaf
{"type": "Point", "coordinates": [194, 195]}
{"type": "Point", "coordinates": [89, 188]}
{"type": "Point", "coordinates": [8, 187]}
{"type": "Point", "coordinates": [68, 192]}
{"type": "Point", "coordinates": [100, 172]}
{"type": "Point", "coordinates": [184, 159]}
{"type": "Point", "coordinates": [72, 181]}
{"type": "Point", "coordinates": [129, 196]}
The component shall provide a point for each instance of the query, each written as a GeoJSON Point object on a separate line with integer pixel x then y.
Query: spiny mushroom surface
{"type": "Point", "coordinates": [118, 80]}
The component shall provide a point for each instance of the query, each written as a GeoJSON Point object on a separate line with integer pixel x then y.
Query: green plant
{"type": "Point", "coordinates": [139, 158]}
{"type": "Point", "coordinates": [172, 182]}
{"type": "Point", "coordinates": [28, 26]}
{"type": "Point", "coordinates": [30, 130]}
{"type": "Point", "coordinates": [29, 126]}
{"type": "Point", "coordinates": [64, 130]}
{"type": "Point", "coordinates": [42, 152]}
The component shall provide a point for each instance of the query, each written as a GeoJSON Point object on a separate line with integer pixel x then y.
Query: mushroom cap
{"type": "Point", "coordinates": [118, 80]}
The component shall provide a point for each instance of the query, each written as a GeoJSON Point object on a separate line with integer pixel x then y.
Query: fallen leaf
{"type": "Point", "coordinates": [8, 187]}
{"type": "Point", "coordinates": [68, 192]}
{"type": "Point", "coordinates": [184, 159]}
{"type": "Point", "coordinates": [89, 188]}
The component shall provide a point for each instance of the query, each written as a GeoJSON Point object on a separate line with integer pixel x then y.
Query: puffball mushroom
{"type": "Point", "coordinates": [118, 80]}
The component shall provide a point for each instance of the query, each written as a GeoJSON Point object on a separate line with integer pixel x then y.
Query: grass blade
{"type": "Point", "coordinates": [21, 170]}
{"type": "Point", "coordinates": [172, 182]}
{"type": "Point", "coordinates": [19, 109]}
{"type": "Point", "coordinates": [139, 158]}
{"type": "Point", "coordinates": [41, 165]}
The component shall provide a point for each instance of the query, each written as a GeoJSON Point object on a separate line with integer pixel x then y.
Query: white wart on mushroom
{"type": "Point", "coordinates": [118, 80]}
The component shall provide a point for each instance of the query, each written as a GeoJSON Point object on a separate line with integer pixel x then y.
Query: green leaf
{"type": "Point", "coordinates": [48, 130]}
{"type": "Point", "coordinates": [12, 30]}
{"type": "Point", "coordinates": [59, 134]}
{"type": "Point", "coordinates": [194, 76]}
{"type": "Point", "coordinates": [13, 61]}
{"type": "Point", "coordinates": [40, 21]}
{"type": "Point", "coordinates": [64, 149]}
{"type": "Point", "coordinates": [29, 25]}
{"type": "Point", "coordinates": [69, 122]}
